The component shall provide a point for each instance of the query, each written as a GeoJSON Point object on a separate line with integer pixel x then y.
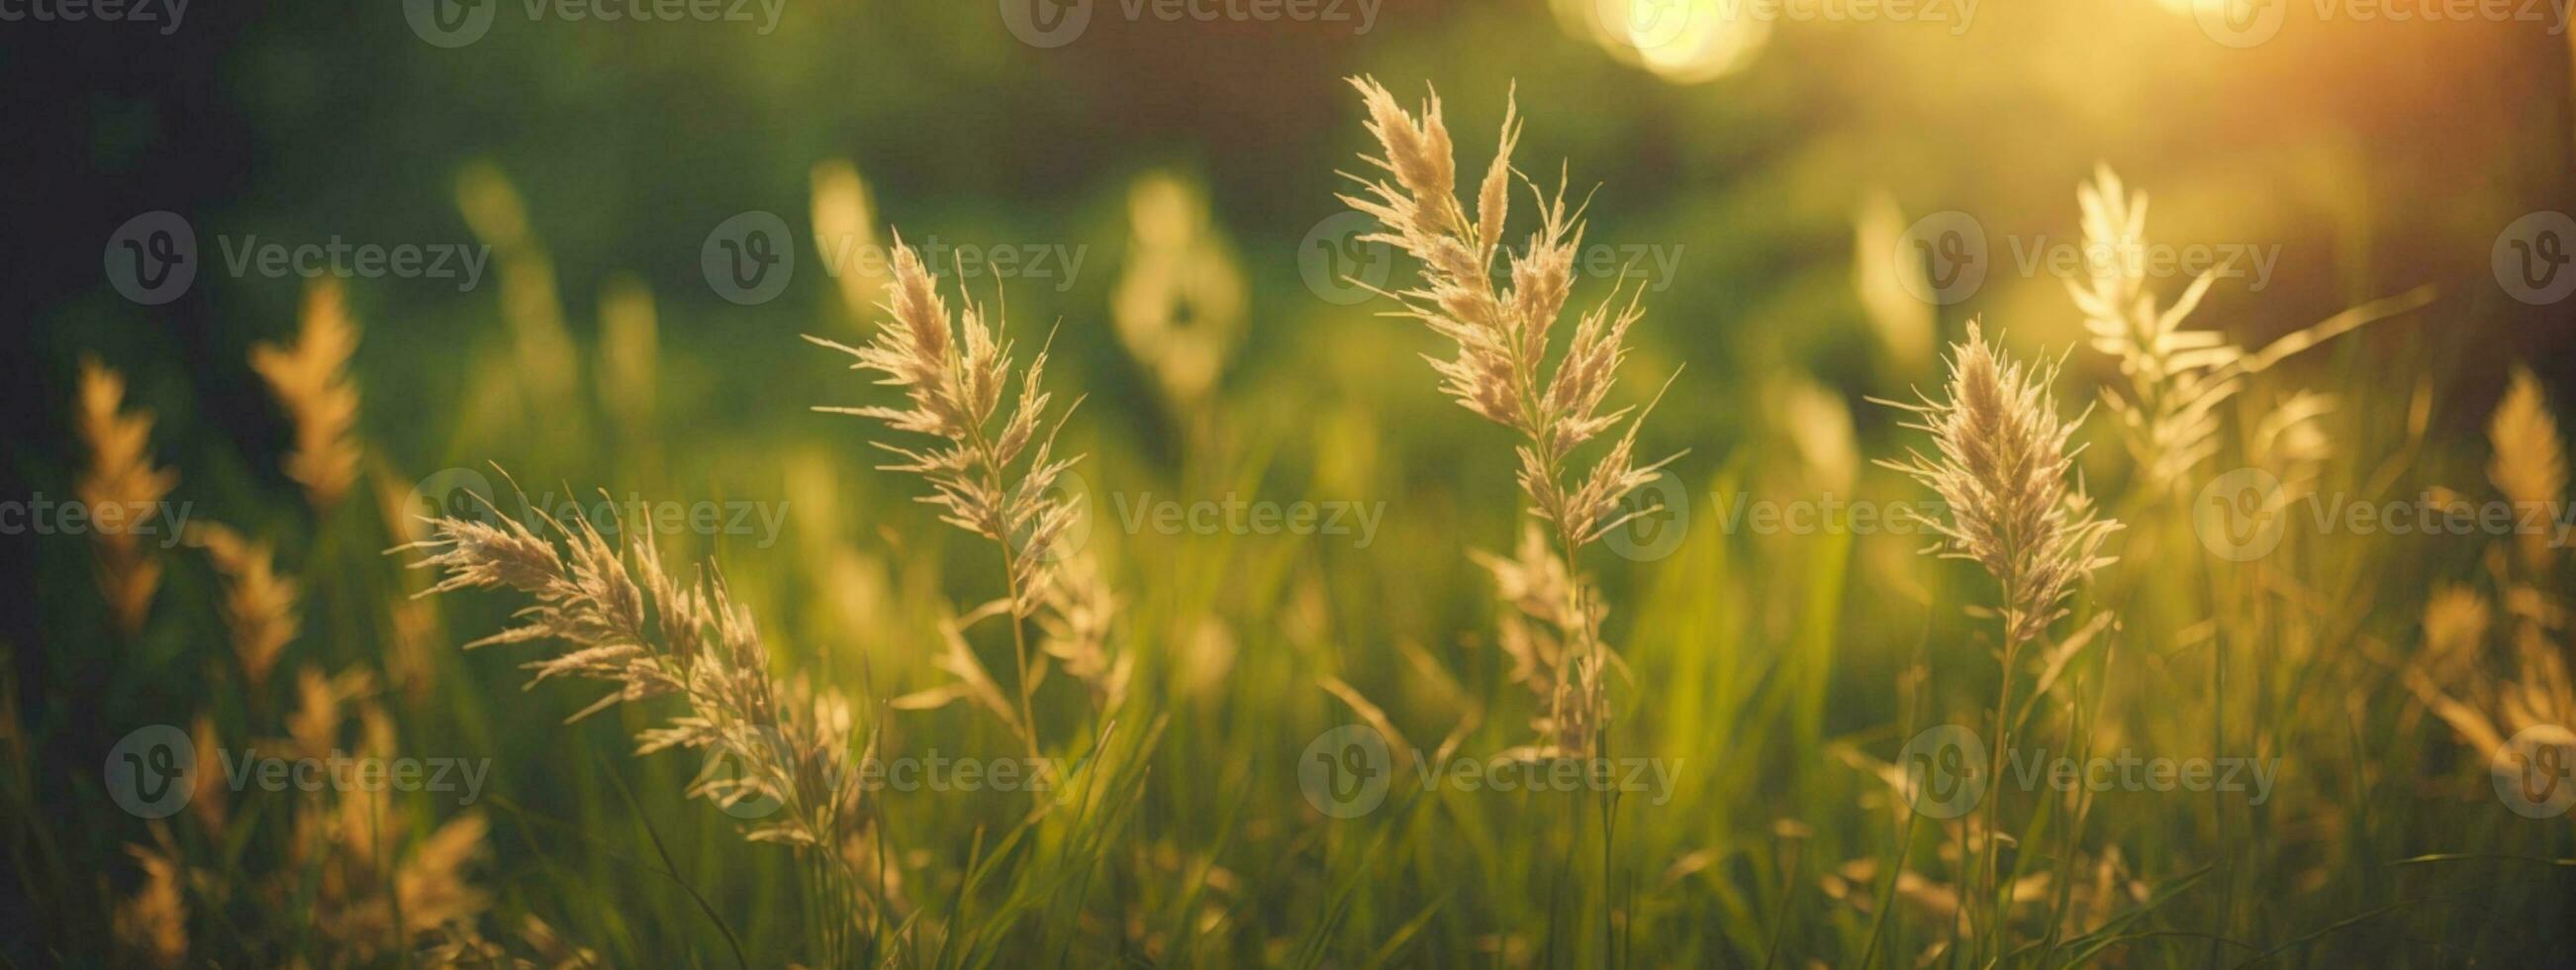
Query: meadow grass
{"type": "Point", "coordinates": [715, 807]}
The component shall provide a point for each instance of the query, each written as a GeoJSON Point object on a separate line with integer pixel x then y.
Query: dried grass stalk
{"type": "Point", "coordinates": [311, 381]}
{"type": "Point", "coordinates": [2001, 466]}
{"type": "Point", "coordinates": [648, 634]}
{"type": "Point", "coordinates": [993, 480]}
{"type": "Point", "coordinates": [120, 476]}
{"type": "Point", "coordinates": [2530, 464]}
{"type": "Point", "coordinates": [1502, 370]}
{"type": "Point", "coordinates": [374, 890]}
{"type": "Point", "coordinates": [992, 472]}
{"type": "Point", "coordinates": [1081, 612]}
{"type": "Point", "coordinates": [2486, 709]}
{"type": "Point", "coordinates": [2177, 378]}
{"type": "Point", "coordinates": [259, 604]}
{"type": "Point", "coordinates": [151, 926]}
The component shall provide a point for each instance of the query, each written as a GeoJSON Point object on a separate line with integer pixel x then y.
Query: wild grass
{"type": "Point", "coordinates": [1776, 676]}
{"type": "Point", "coordinates": [1503, 373]}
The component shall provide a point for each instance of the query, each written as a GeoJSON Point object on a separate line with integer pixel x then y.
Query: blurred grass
{"type": "Point", "coordinates": [2377, 160]}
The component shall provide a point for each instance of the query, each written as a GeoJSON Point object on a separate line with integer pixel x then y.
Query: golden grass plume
{"type": "Point", "coordinates": [311, 380]}
{"type": "Point", "coordinates": [1502, 336]}
{"type": "Point", "coordinates": [991, 472]}
{"type": "Point", "coordinates": [259, 605]}
{"type": "Point", "coordinates": [649, 634]}
{"type": "Point", "coordinates": [2001, 466]}
{"type": "Point", "coordinates": [2530, 463]}
{"type": "Point", "coordinates": [120, 477]}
